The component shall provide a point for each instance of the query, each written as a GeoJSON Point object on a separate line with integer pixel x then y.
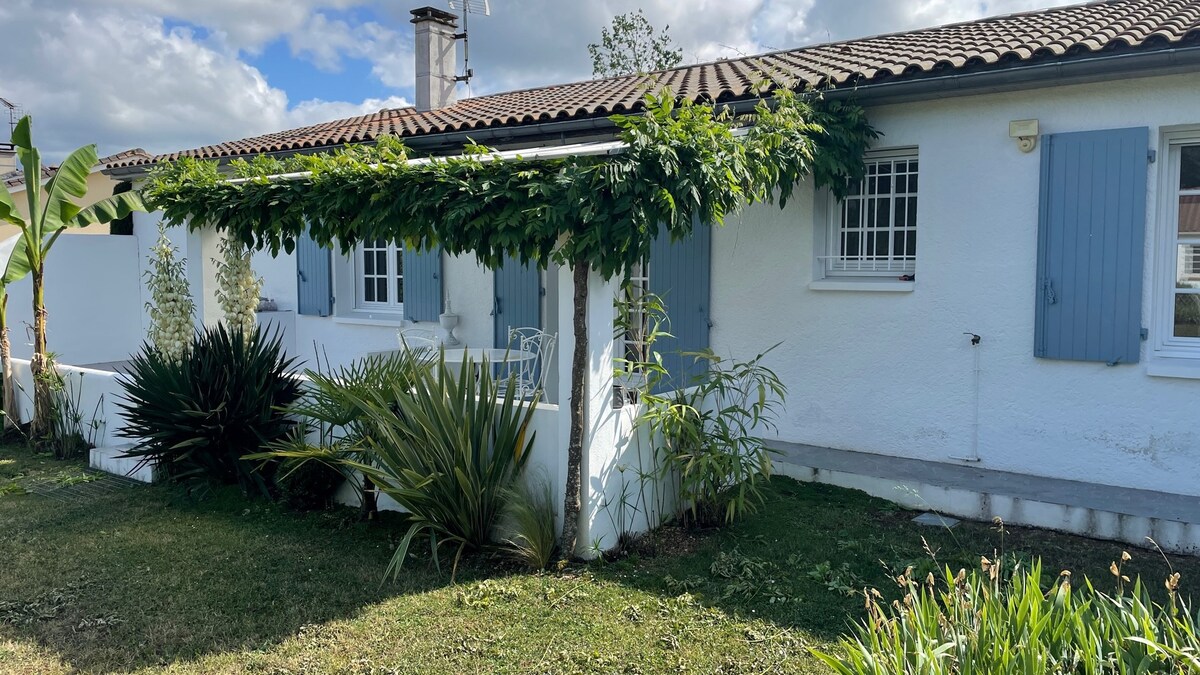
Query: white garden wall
{"type": "Point", "coordinates": [93, 297]}
{"type": "Point", "coordinates": [94, 394]}
{"type": "Point", "coordinates": [892, 372]}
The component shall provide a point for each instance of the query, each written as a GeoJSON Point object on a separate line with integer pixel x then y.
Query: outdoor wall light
{"type": "Point", "coordinates": [1026, 133]}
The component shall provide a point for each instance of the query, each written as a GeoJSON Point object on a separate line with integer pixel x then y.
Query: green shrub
{"type": "Point", "coordinates": [330, 409]}
{"type": "Point", "coordinates": [197, 417]}
{"type": "Point", "coordinates": [308, 486]}
{"type": "Point", "coordinates": [710, 435]}
{"type": "Point", "coordinates": [990, 623]}
{"type": "Point", "coordinates": [448, 447]}
{"type": "Point", "coordinates": [529, 521]}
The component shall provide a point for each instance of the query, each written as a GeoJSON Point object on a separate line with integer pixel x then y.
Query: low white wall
{"type": "Point", "coordinates": [93, 394]}
{"type": "Point", "coordinates": [93, 298]}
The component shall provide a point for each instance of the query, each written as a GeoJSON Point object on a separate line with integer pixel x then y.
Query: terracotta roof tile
{"type": "Point", "coordinates": [15, 179]}
{"type": "Point", "coordinates": [1052, 33]}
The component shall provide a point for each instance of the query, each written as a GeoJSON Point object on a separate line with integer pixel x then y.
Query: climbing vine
{"type": "Point", "coordinates": [684, 163]}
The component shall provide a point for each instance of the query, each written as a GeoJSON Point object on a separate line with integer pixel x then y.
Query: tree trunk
{"type": "Point", "coordinates": [579, 358]}
{"type": "Point", "coordinates": [8, 392]}
{"type": "Point", "coordinates": [42, 398]}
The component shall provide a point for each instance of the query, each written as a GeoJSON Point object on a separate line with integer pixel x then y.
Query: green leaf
{"type": "Point", "coordinates": [18, 263]}
{"type": "Point", "coordinates": [69, 182]}
{"type": "Point", "coordinates": [8, 209]}
{"type": "Point", "coordinates": [109, 209]}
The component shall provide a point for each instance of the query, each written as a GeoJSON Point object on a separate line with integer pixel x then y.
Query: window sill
{"type": "Point", "coordinates": [389, 319]}
{"type": "Point", "coordinates": [1184, 368]}
{"type": "Point", "coordinates": [878, 285]}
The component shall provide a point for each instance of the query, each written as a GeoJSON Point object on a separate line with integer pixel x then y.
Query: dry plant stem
{"type": "Point", "coordinates": [571, 501]}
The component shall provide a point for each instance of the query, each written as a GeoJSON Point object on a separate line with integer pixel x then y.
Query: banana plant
{"type": "Point", "coordinates": [53, 209]}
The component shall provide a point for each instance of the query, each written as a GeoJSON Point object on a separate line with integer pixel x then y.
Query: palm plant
{"type": "Point", "coordinates": [52, 210]}
{"type": "Point", "coordinates": [448, 447]}
{"type": "Point", "coordinates": [330, 403]}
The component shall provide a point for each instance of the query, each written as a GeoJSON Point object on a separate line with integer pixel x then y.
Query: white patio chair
{"type": "Point", "coordinates": [529, 375]}
{"type": "Point", "coordinates": [417, 340]}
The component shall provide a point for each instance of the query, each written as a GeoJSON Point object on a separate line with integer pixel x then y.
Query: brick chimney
{"type": "Point", "coordinates": [437, 57]}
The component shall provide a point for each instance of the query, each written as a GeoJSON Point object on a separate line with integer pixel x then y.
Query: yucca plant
{"type": "Point", "coordinates": [198, 415]}
{"type": "Point", "coordinates": [991, 623]}
{"type": "Point", "coordinates": [446, 446]}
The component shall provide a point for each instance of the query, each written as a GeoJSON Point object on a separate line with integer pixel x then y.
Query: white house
{"type": "Point", "coordinates": [1003, 319]}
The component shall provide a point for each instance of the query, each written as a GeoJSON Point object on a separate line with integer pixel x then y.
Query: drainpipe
{"type": "Point", "coordinates": [973, 456]}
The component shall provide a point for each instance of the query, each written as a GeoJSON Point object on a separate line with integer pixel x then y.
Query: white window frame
{"type": "Point", "coordinates": [394, 276]}
{"type": "Point", "coordinates": [1170, 356]}
{"type": "Point", "coordinates": [638, 288]}
{"type": "Point", "coordinates": [834, 263]}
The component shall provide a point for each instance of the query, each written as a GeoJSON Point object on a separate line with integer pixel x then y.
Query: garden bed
{"type": "Point", "coordinates": [151, 579]}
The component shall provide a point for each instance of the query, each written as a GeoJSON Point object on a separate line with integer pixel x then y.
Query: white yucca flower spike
{"type": "Point", "coordinates": [238, 289]}
{"type": "Point", "coordinates": [171, 306]}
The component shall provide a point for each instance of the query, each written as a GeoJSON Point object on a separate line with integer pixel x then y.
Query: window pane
{"type": "Point", "coordinates": [912, 181]}
{"type": "Point", "coordinates": [400, 289]}
{"type": "Point", "coordinates": [850, 249]}
{"type": "Point", "coordinates": [881, 208]}
{"type": "Point", "coordinates": [1187, 268]}
{"type": "Point", "coordinates": [901, 183]}
{"type": "Point", "coordinates": [912, 212]}
{"type": "Point", "coordinates": [911, 245]}
{"type": "Point", "coordinates": [1189, 167]}
{"type": "Point", "coordinates": [381, 264]}
{"type": "Point", "coordinates": [368, 263]}
{"type": "Point", "coordinates": [1189, 214]}
{"type": "Point", "coordinates": [369, 290]}
{"type": "Point", "coordinates": [1187, 315]}
{"type": "Point", "coordinates": [853, 213]}
{"type": "Point", "coordinates": [381, 290]}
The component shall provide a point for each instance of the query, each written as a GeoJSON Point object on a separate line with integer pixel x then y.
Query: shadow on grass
{"type": "Point", "coordinates": [146, 577]}
{"type": "Point", "coordinates": [803, 559]}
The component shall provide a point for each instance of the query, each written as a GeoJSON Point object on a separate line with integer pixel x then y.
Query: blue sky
{"type": "Point", "coordinates": [170, 75]}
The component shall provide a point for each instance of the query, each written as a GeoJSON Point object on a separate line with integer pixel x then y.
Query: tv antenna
{"type": "Point", "coordinates": [468, 7]}
{"type": "Point", "coordinates": [15, 113]}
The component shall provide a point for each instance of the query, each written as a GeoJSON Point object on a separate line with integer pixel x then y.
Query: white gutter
{"type": "Point", "coordinates": [556, 152]}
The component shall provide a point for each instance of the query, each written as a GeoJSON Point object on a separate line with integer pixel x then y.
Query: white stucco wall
{"type": "Point", "coordinates": [892, 373]}
{"type": "Point", "coordinates": [93, 299]}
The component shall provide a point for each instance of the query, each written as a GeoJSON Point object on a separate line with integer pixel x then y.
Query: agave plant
{"type": "Point", "coordinates": [448, 447]}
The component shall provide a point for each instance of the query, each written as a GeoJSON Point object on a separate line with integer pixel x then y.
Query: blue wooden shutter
{"type": "Point", "coordinates": [518, 300]}
{"type": "Point", "coordinates": [422, 284]}
{"type": "Point", "coordinates": [1091, 229]}
{"type": "Point", "coordinates": [314, 278]}
{"type": "Point", "coordinates": [680, 273]}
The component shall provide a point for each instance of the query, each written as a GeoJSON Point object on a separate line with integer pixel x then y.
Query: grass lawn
{"type": "Point", "coordinates": [147, 579]}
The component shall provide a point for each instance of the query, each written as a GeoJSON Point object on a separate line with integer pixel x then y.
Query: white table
{"type": "Point", "coordinates": [491, 354]}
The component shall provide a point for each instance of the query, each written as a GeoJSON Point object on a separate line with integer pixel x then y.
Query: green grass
{"type": "Point", "coordinates": [149, 580]}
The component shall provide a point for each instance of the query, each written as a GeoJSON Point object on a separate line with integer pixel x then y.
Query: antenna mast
{"type": "Point", "coordinates": [468, 7]}
{"type": "Point", "coordinates": [15, 113]}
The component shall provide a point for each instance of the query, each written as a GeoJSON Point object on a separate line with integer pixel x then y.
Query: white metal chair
{"type": "Point", "coordinates": [529, 375]}
{"type": "Point", "coordinates": [417, 340]}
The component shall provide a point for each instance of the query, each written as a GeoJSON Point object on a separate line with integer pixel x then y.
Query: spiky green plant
{"type": "Point", "coordinates": [992, 623]}
{"type": "Point", "coordinates": [446, 446]}
{"type": "Point", "coordinates": [198, 416]}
